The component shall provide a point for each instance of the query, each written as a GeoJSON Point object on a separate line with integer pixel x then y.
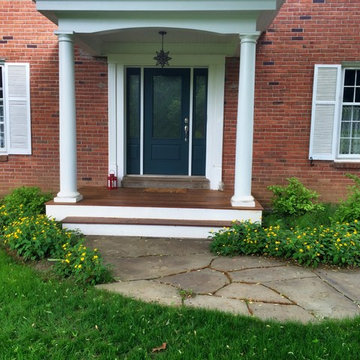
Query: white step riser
{"type": "Point", "coordinates": [59, 212]}
{"type": "Point", "coordinates": [191, 232]}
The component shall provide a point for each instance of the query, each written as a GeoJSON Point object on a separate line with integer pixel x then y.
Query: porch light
{"type": "Point", "coordinates": [162, 58]}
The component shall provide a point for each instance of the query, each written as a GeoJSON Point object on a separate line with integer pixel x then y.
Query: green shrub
{"type": "Point", "coordinates": [294, 199]}
{"type": "Point", "coordinates": [349, 209]}
{"type": "Point", "coordinates": [338, 244]}
{"type": "Point", "coordinates": [82, 264]}
{"type": "Point", "coordinates": [38, 237]}
{"type": "Point", "coordinates": [34, 237]}
{"type": "Point", "coordinates": [24, 201]}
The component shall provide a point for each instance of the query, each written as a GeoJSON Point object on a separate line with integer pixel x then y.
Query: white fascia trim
{"type": "Point", "coordinates": [215, 120]}
{"type": "Point", "coordinates": [159, 5]}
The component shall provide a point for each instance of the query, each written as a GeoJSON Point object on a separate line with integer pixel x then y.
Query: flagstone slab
{"type": "Point", "coordinates": [244, 262]}
{"type": "Point", "coordinates": [209, 302]}
{"type": "Point", "coordinates": [279, 312]}
{"type": "Point", "coordinates": [115, 246]}
{"type": "Point", "coordinates": [261, 275]}
{"type": "Point", "coordinates": [252, 292]}
{"type": "Point", "coordinates": [145, 290]}
{"type": "Point", "coordinates": [315, 296]}
{"type": "Point", "coordinates": [345, 281]}
{"type": "Point", "coordinates": [151, 267]}
{"type": "Point", "coordinates": [203, 281]}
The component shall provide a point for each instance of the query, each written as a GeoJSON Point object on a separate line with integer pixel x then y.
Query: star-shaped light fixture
{"type": "Point", "coordinates": [162, 57]}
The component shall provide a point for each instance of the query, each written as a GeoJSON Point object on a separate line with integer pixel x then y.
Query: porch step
{"type": "Point", "coordinates": [132, 221]}
{"type": "Point", "coordinates": [197, 229]}
{"type": "Point", "coordinates": [167, 182]}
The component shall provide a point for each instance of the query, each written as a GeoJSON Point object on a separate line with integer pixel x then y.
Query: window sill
{"type": "Point", "coordinates": [4, 158]}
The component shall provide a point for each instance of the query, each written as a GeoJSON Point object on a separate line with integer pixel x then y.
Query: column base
{"type": "Point", "coordinates": [68, 198]}
{"type": "Point", "coordinates": [243, 201]}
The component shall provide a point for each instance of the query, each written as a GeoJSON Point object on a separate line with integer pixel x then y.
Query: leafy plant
{"type": "Point", "coordinates": [294, 199]}
{"type": "Point", "coordinates": [82, 264]}
{"type": "Point", "coordinates": [349, 210]}
{"type": "Point", "coordinates": [337, 244]}
{"type": "Point", "coordinates": [24, 201]}
{"type": "Point", "coordinates": [34, 237]}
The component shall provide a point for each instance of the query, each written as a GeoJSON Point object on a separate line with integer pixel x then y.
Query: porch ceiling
{"type": "Point", "coordinates": [114, 26]}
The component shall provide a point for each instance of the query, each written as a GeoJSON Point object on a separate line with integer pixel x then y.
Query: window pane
{"type": "Point", "coordinates": [1, 81]}
{"type": "Point", "coordinates": [167, 120]}
{"type": "Point", "coordinates": [356, 113]}
{"type": "Point", "coordinates": [348, 94]}
{"type": "Point", "coordinates": [358, 77]}
{"type": "Point", "coordinates": [355, 130]}
{"type": "Point", "coordinates": [2, 140]}
{"type": "Point", "coordinates": [347, 113]}
{"type": "Point", "coordinates": [350, 77]}
{"type": "Point", "coordinates": [133, 106]}
{"type": "Point", "coordinates": [355, 146]}
{"type": "Point", "coordinates": [357, 96]}
{"type": "Point", "coordinates": [344, 146]}
{"type": "Point", "coordinates": [200, 105]}
{"type": "Point", "coordinates": [345, 129]}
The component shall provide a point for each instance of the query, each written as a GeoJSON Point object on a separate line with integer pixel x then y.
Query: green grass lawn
{"type": "Point", "coordinates": [43, 318]}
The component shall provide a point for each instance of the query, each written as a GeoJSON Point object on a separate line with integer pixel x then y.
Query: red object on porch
{"type": "Point", "coordinates": [112, 182]}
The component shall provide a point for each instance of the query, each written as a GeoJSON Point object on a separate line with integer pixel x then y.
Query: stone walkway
{"type": "Point", "coordinates": [183, 271]}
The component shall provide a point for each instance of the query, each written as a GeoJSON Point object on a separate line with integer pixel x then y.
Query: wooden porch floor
{"type": "Point", "coordinates": [164, 198]}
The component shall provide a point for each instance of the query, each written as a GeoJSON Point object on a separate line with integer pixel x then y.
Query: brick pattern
{"type": "Point", "coordinates": [305, 32]}
{"type": "Point", "coordinates": [19, 42]}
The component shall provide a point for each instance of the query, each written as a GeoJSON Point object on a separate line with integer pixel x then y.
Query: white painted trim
{"type": "Point", "coordinates": [180, 60]}
{"type": "Point", "coordinates": [215, 125]}
{"type": "Point", "coordinates": [215, 110]}
{"type": "Point", "coordinates": [112, 129]}
{"type": "Point", "coordinates": [159, 5]}
{"type": "Point", "coordinates": [189, 232]}
{"type": "Point", "coordinates": [190, 124]}
{"type": "Point", "coordinates": [142, 119]}
{"type": "Point", "coordinates": [59, 212]}
{"type": "Point", "coordinates": [121, 123]}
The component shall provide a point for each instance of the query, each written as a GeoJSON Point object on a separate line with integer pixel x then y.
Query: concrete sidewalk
{"type": "Point", "coordinates": [183, 271]}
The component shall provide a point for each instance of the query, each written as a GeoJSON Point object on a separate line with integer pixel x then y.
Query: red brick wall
{"type": "Point", "coordinates": [304, 33]}
{"type": "Point", "coordinates": [27, 36]}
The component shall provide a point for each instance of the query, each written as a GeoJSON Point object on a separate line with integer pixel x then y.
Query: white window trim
{"type": "Point", "coordinates": [354, 158]}
{"type": "Point", "coordinates": [3, 151]}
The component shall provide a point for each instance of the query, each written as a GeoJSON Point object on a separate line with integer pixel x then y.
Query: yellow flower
{"type": "Point", "coordinates": [301, 250]}
{"type": "Point", "coordinates": [82, 259]}
{"type": "Point", "coordinates": [79, 266]}
{"type": "Point", "coordinates": [95, 257]}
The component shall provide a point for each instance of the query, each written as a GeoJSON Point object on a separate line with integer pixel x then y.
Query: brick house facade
{"type": "Point", "coordinates": [304, 33]}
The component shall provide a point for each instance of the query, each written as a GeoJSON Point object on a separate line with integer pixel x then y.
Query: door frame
{"type": "Point", "coordinates": [215, 108]}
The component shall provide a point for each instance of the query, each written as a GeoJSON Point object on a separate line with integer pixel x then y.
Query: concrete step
{"type": "Point", "coordinates": [169, 182]}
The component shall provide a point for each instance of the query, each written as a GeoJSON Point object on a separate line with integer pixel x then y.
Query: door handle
{"type": "Point", "coordinates": [186, 131]}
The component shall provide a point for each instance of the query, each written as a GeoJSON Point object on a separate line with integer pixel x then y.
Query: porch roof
{"type": "Point", "coordinates": [106, 26]}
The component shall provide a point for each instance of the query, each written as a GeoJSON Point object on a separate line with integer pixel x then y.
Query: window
{"type": "Point", "coordinates": [335, 123]}
{"type": "Point", "coordinates": [15, 125]}
{"type": "Point", "coordinates": [350, 118]}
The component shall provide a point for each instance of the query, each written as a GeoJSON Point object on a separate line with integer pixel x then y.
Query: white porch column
{"type": "Point", "coordinates": [245, 123]}
{"type": "Point", "coordinates": [68, 170]}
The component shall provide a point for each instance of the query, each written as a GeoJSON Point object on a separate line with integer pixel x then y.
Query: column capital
{"type": "Point", "coordinates": [249, 38]}
{"type": "Point", "coordinates": [65, 36]}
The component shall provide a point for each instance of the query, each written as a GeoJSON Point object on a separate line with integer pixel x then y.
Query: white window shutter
{"type": "Point", "coordinates": [17, 99]}
{"type": "Point", "coordinates": [325, 110]}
